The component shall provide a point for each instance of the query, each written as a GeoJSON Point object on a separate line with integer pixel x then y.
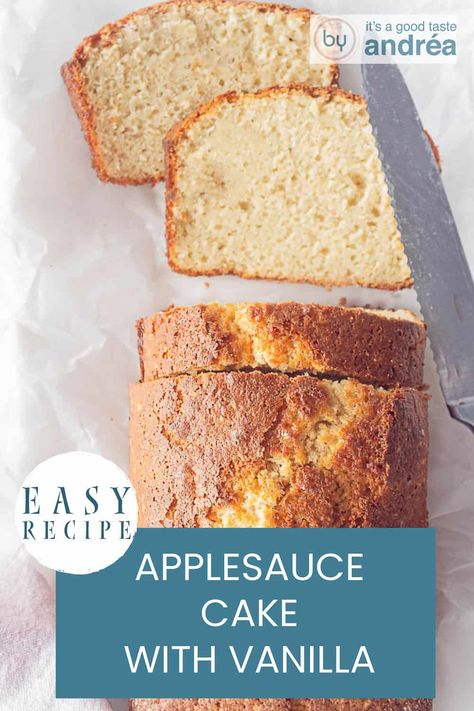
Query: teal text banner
{"type": "Point", "coordinates": [245, 613]}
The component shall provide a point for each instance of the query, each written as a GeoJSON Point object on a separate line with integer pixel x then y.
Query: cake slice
{"type": "Point", "coordinates": [134, 78]}
{"type": "Point", "coordinates": [285, 183]}
{"type": "Point", "coordinates": [266, 449]}
{"type": "Point", "coordinates": [381, 347]}
{"type": "Point", "coordinates": [280, 705]}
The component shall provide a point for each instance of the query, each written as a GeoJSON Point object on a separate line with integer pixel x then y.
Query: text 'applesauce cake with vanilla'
{"type": "Point", "coordinates": [285, 183]}
{"type": "Point", "coordinates": [133, 79]}
{"type": "Point", "coordinates": [217, 442]}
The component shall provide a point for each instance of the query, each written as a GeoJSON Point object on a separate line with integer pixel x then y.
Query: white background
{"type": "Point", "coordinates": [81, 260]}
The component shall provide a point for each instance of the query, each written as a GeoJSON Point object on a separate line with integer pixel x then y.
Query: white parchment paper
{"type": "Point", "coordinates": [80, 261]}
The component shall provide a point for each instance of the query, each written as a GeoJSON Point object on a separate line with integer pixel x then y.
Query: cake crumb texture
{"type": "Point", "coordinates": [133, 79]}
{"type": "Point", "coordinates": [285, 183]}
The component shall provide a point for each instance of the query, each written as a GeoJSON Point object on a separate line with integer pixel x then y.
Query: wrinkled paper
{"type": "Point", "coordinates": [81, 261]}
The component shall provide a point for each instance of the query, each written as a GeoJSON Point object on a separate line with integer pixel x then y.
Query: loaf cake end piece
{"type": "Point", "coordinates": [380, 347]}
{"type": "Point", "coordinates": [134, 78]}
{"type": "Point", "coordinates": [285, 183]}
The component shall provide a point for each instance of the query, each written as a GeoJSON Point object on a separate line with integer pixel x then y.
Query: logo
{"type": "Point", "coordinates": [334, 38]}
{"type": "Point", "coordinates": [76, 513]}
{"type": "Point", "coordinates": [383, 39]}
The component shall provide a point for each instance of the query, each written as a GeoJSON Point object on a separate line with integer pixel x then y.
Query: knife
{"type": "Point", "coordinates": [437, 261]}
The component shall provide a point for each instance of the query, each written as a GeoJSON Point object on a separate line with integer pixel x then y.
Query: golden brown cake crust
{"type": "Point", "coordinates": [255, 449]}
{"type": "Point", "coordinates": [335, 341]}
{"type": "Point", "coordinates": [178, 132]}
{"type": "Point", "coordinates": [280, 705]}
{"type": "Point", "coordinates": [214, 430]}
{"type": "Point", "coordinates": [72, 71]}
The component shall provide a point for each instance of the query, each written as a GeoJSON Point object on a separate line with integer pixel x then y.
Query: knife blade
{"type": "Point", "coordinates": [443, 281]}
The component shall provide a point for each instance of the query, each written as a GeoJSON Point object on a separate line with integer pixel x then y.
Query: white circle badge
{"type": "Point", "coordinates": [76, 513]}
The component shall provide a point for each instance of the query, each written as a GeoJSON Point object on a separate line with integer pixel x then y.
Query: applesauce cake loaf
{"type": "Point", "coordinates": [133, 79]}
{"type": "Point", "coordinates": [280, 705]}
{"type": "Point", "coordinates": [267, 449]}
{"type": "Point", "coordinates": [374, 346]}
{"type": "Point", "coordinates": [285, 183]}
{"type": "Point", "coordinates": [248, 448]}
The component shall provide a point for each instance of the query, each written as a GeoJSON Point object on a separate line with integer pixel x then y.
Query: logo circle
{"type": "Point", "coordinates": [335, 38]}
{"type": "Point", "coordinates": [76, 513]}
